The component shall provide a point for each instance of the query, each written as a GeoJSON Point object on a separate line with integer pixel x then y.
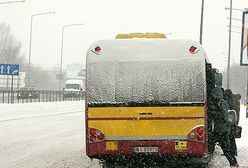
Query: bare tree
{"type": "Point", "coordinates": [10, 53]}
{"type": "Point", "coordinates": [10, 48]}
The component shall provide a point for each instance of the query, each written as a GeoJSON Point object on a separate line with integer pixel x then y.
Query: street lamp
{"type": "Point", "coordinates": [229, 43]}
{"type": "Point", "coordinates": [7, 2]}
{"type": "Point", "coordinates": [229, 46]}
{"type": "Point", "coordinates": [242, 10]}
{"type": "Point", "coordinates": [234, 19]}
{"type": "Point", "coordinates": [234, 26]}
{"type": "Point", "coordinates": [61, 52]}
{"type": "Point", "coordinates": [201, 24]}
{"type": "Point", "coordinates": [234, 32]}
{"type": "Point", "coordinates": [30, 41]}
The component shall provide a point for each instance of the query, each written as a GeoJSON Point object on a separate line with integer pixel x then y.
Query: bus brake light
{"type": "Point", "coordinates": [93, 131]}
{"type": "Point", "coordinates": [199, 131]}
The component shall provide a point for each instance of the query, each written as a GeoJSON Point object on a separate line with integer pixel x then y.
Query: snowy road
{"type": "Point", "coordinates": [51, 135]}
{"type": "Point", "coordinates": [42, 135]}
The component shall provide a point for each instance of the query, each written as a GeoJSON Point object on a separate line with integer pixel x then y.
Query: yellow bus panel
{"type": "Point", "coordinates": [145, 123]}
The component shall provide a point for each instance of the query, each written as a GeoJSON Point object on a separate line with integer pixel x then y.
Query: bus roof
{"type": "Point", "coordinates": [141, 49]}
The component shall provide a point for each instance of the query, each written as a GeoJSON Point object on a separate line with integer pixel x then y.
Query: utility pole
{"type": "Point", "coordinates": [201, 25]}
{"type": "Point", "coordinates": [61, 53]}
{"type": "Point", "coordinates": [8, 2]}
{"type": "Point", "coordinates": [30, 42]}
{"type": "Point", "coordinates": [229, 47]}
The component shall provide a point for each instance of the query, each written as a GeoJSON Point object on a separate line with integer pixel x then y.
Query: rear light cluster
{"type": "Point", "coordinates": [98, 49]}
{"type": "Point", "coordinates": [197, 134]}
{"type": "Point", "coordinates": [95, 135]}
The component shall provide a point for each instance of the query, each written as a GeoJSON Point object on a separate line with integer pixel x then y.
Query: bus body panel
{"type": "Point", "coordinates": [166, 147]}
{"type": "Point", "coordinates": [133, 72]}
{"type": "Point", "coordinates": [157, 122]}
{"type": "Point", "coordinates": [129, 127]}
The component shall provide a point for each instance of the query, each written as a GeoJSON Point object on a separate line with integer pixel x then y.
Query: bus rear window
{"type": "Point", "coordinates": [146, 81]}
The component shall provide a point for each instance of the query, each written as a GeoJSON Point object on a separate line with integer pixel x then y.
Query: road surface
{"type": "Point", "coordinates": [51, 135]}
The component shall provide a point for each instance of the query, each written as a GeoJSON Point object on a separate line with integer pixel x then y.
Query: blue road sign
{"type": "Point", "coordinates": [9, 69]}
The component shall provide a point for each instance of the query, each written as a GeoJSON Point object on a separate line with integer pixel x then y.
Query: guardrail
{"type": "Point", "coordinates": [17, 96]}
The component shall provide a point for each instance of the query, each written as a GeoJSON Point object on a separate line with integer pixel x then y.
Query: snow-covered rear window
{"type": "Point", "coordinates": [145, 81]}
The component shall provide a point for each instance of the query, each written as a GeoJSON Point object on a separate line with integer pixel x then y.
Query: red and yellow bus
{"type": "Point", "coordinates": [146, 96]}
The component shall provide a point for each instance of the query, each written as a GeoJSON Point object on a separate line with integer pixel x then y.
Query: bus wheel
{"type": "Point", "coordinates": [205, 165]}
{"type": "Point", "coordinates": [200, 165]}
{"type": "Point", "coordinates": [108, 164]}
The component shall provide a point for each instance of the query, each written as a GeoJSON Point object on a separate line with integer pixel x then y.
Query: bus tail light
{"type": "Point", "coordinates": [93, 131]}
{"type": "Point", "coordinates": [98, 49]}
{"type": "Point", "coordinates": [197, 134]}
{"type": "Point", "coordinates": [199, 131]}
{"type": "Point", "coordinates": [199, 138]}
{"type": "Point", "coordinates": [100, 136]}
{"type": "Point", "coordinates": [92, 139]}
{"type": "Point", "coordinates": [95, 135]}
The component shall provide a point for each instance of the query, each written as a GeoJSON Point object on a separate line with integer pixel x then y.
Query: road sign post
{"type": "Point", "coordinates": [9, 69]}
{"type": "Point", "coordinates": [12, 94]}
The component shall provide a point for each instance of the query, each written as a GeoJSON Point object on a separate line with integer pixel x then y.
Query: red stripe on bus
{"type": "Point", "coordinates": [165, 147]}
{"type": "Point", "coordinates": [150, 118]}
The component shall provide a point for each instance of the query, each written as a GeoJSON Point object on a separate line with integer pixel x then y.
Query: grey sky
{"type": "Point", "coordinates": [105, 19]}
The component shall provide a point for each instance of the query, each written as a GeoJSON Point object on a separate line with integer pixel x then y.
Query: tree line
{"type": "Point", "coordinates": [11, 53]}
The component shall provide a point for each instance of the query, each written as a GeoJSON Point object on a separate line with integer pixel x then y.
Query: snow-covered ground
{"type": "Point", "coordinates": [43, 135]}
{"type": "Point", "coordinates": [52, 135]}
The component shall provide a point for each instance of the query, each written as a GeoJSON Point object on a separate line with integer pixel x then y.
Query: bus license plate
{"type": "Point", "coordinates": [181, 145]}
{"type": "Point", "coordinates": [146, 149]}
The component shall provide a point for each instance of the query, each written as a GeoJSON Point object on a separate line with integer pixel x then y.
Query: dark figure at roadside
{"type": "Point", "coordinates": [233, 101]}
{"type": "Point", "coordinates": [218, 109]}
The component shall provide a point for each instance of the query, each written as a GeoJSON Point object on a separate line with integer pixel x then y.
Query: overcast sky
{"type": "Point", "coordinates": [105, 19]}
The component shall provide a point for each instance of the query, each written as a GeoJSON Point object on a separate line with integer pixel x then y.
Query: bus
{"type": "Point", "coordinates": [146, 96]}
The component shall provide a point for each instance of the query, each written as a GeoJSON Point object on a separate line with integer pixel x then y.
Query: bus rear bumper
{"type": "Point", "coordinates": [102, 149]}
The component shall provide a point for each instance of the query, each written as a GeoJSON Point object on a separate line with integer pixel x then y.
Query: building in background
{"type": "Point", "coordinates": [18, 81]}
{"type": "Point", "coordinates": [75, 81]}
{"type": "Point", "coordinates": [75, 71]}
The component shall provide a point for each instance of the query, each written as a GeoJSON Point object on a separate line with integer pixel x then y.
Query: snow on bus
{"type": "Point", "coordinates": [146, 96]}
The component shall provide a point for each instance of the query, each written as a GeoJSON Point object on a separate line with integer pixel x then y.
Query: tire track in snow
{"type": "Point", "coordinates": [40, 116]}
